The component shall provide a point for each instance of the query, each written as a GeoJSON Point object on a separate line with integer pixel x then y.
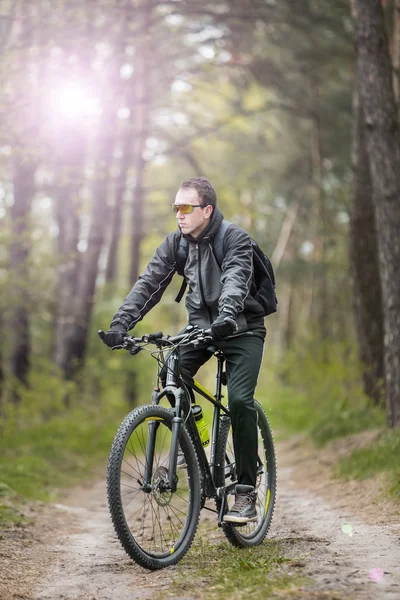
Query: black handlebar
{"type": "Point", "coordinates": [193, 335]}
{"type": "Point", "coordinates": [152, 337]}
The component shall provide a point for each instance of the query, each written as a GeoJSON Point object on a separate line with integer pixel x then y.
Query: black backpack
{"type": "Point", "coordinates": [264, 277]}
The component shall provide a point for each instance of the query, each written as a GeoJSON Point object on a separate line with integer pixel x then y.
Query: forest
{"type": "Point", "coordinates": [290, 109]}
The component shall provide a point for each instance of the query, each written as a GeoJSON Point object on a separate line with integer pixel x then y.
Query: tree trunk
{"type": "Point", "coordinates": [126, 163]}
{"type": "Point", "coordinates": [284, 234]}
{"type": "Point", "coordinates": [24, 166]}
{"type": "Point", "coordinates": [143, 104]}
{"type": "Point", "coordinates": [396, 48]}
{"type": "Point", "coordinates": [86, 285]}
{"type": "Point", "coordinates": [137, 222]}
{"type": "Point", "coordinates": [142, 127]}
{"type": "Point", "coordinates": [68, 269]}
{"type": "Point", "coordinates": [116, 220]}
{"type": "Point", "coordinates": [121, 187]}
{"type": "Point", "coordinates": [1, 368]}
{"type": "Point", "coordinates": [285, 317]}
{"type": "Point", "coordinates": [319, 208]}
{"type": "Point", "coordinates": [383, 143]}
{"type": "Point", "coordinates": [23, 180]}
{"type": "Point", "coordinates": [364, 263]}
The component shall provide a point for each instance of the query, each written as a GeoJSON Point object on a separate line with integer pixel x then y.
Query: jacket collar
{"type": "Point", "coordinates": [211, 229]}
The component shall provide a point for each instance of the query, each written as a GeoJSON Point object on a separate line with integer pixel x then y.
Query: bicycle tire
{"type": "Point", "coordinates": [156, 528]}
{"type": "Point", "coordinates": [253, 533]}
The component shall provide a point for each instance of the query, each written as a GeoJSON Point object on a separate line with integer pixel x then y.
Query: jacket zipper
{"type": "Point", "coordinates": [201, 284]}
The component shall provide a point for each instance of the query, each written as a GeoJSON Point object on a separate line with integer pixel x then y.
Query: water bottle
{"type": "Point", "coordinates": [201, 424]}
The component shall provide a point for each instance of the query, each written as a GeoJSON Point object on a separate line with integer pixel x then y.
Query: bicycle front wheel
{"type": "Point", "coordinates": [254, 532]}
{"type": "Point", "coordinates": [155, 525]}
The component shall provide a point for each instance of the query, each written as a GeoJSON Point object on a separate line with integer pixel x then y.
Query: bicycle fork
{"type": "Point", "coordinates": [153, 425]}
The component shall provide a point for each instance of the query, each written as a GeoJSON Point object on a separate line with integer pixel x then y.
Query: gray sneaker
{"type": "Point", "coordinates": [244, 509]}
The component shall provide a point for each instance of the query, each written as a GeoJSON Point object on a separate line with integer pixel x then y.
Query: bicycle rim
{"type": "Point", "coordinates": [254, 532]}
{"type": "Point", "coordinates": [155, 526]}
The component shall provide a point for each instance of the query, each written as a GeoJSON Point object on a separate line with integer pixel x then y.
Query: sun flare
{"type": "Point", "coordinates": [73, 101]}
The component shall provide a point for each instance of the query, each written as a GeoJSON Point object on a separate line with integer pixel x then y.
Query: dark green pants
{"type": "Point", "coordinates": [243, 361]}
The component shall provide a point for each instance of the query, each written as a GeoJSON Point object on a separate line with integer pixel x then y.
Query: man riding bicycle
{"type": "Point", "coordinates": [219, 298]}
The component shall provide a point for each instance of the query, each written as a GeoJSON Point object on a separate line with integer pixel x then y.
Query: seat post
{"type": "Point", "coordinates": [219, 376]}
{"type": "Point", "coordinates": [217, 409]}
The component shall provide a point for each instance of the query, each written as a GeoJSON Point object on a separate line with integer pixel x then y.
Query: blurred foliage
{"type": "Point", "coordinates": [317, 389]}
{"type": "Point", "coordinates": [378, 457]}
{"type": "Point", "coordinates": [44, 447]}
{"type": "Point", "coordinates": [236, 93]}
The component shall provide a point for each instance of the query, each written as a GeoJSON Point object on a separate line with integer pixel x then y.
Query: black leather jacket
{"type": "Point", "coordinates": [212, 289]}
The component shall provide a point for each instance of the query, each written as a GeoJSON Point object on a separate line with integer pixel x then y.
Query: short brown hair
{"type": "Point", "coordinates": [205, 190]}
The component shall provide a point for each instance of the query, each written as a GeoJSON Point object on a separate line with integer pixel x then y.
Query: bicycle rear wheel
{"type": "Point", "coordinates": [155, 525]}
{"type": "Point", "coordinates": [254, 532]}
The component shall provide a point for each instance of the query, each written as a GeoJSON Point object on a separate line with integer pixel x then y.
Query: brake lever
{"type": "Point", "coordinates": [204, 338]}
{"type": "Point", "coordinates": [130, 345]}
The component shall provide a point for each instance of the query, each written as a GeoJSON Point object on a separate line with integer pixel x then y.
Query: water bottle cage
{"type": "Point", "coordinates": [201, 424]}
{"type": "Point", "coordinates": [224, 378]}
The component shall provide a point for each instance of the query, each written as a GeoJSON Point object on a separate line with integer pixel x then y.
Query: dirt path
{"type": "Point", "coordinates": [342, 536]}
{"type": "Point", "coordinates": [347, 532]}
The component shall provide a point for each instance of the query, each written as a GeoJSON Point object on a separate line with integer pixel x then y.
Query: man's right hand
{"type": "Point", "coordinates": [115, 336]}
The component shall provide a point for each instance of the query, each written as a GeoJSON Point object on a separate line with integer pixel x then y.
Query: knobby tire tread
{"type": "Point", "coordinates": [121, 527]}
{"type": "Point", "coordinates": [231, 532]}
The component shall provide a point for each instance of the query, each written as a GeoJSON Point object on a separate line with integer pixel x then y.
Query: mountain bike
{"type": "Point", "coordinates": [155, 502]}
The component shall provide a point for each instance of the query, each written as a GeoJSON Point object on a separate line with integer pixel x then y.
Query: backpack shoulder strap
{"type": "Point", "coordinates": [181, 292]}
{"type": "Point", "coordinates": [181, 257]}
{"type": "Point", "coordinates": [218, 241]}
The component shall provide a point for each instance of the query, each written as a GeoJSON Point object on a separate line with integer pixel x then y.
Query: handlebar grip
{"type": "Point", "coordinates": [151, 337]}
{"type": "Point", "coordinates": [101, 334]}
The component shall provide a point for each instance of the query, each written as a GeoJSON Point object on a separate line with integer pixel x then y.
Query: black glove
{"type": "Point", "coordinates": [114, 337]}
{"type": "Point", "coordinates": [223, 326]}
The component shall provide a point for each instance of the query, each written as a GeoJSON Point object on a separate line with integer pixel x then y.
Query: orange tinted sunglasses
{"type": "Point", "coordinates": [186, 209]}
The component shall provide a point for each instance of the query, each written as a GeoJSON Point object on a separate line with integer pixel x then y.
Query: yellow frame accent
{"type": "Point", "coordinates": [202, 390]}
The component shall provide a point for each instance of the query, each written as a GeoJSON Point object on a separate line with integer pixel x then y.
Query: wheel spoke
{"type": "Point", "coordinates": [156, 518]}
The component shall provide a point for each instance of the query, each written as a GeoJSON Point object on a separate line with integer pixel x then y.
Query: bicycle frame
{"type": "Point", "coordinates": [158, 528]}
{"type": "Point", "coordinates": [182, 386]}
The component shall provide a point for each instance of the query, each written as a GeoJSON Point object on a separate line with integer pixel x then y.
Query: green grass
{"type": "Point", "coordinates": [38, 460]}
{"type": "Point", "coordinates": [337, 422]}
{"type": "Point", "coordinates": [323, 399]}
{"type": "Point", "coordinates": [219, 571]}
{"type": "Point", "coordinates": [382, 456]}
{"type": "Point", "coordinates": [9, 512]}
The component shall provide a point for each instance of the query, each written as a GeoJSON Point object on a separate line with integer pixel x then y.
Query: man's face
{"type": "Point", "coordinates": [196, 221]}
